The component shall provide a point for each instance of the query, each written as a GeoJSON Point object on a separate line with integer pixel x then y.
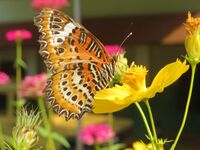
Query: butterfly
{"type": "Point", "coordinates": [77, 60]}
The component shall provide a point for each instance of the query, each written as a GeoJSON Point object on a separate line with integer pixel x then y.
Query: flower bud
{"type": "Point", "coordinates": [192, 40]}
{"type": "Point", "coordinates": [30, 136]}
{"type": "Point", "coordinates": [121, 68]}
{"type": "Point", "coordinates": [25, 134]}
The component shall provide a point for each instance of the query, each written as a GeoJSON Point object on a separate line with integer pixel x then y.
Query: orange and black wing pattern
{"type": "Point", "coordinates": [77, 60]}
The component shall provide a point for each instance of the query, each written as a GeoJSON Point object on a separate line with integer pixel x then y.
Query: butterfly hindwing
{"type": "Point", "coordinates": [71, 91]}
{"type": "Point", "coordinates": [78, 61]}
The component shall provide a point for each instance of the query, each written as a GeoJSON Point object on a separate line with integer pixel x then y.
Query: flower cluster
{"type": "Point", "coordinates": [114, 50]}
{"type": "Point", "coordinates": [4, 78]}
{"type": "Point", "coordinates": [96, 134]}
{"type": "Point", "coordinates": [18, 34]}
{"type": "Point", "coordinates": [56, 4]}
{"type": "Point", "coordinates": [33, 85]}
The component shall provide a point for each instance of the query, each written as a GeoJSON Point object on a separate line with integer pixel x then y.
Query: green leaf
{"type": "Point", "coordinates": [8, 139]}
{"type": "Point", "coordinates": [61, 139]}
{"type": "Point", "coordinates": [56, 136]}
{"type": "Point", "coordinates": [43, 132]}
{"type": "Point", "coordinates": [22, 63]}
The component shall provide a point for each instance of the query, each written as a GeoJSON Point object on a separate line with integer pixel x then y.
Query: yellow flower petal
{"type": "Point", "coordinates": [166, 76]}
{"type": "Point", "coordinates": [113, 99]}
{"type": "Point", "coordinates": [139, 146]}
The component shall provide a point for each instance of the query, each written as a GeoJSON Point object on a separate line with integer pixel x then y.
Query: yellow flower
{"type": "Point", "coordinates": [192, 40]}
{"type": "Point", "coordinates": [133, 88]}
{"type": "Point", "coordinates": [139, 145]}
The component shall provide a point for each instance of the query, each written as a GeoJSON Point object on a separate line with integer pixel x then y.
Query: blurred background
{"type": "Point", "coordinates": [158, 39]}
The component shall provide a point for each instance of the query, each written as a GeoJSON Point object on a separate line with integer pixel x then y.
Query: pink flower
{"type": "Point", "coordinates": [99, 133]}
{"type": "Point", "coordinates": [114, 50]}
{"type": "Point", "coordinates": [19, 34]}
{"type": "Point", "coordinates": [4, 78]}
{"type": "Point", "coordinates": [56, 4]}
{"type": "Point", "coordinates": [33, 85]}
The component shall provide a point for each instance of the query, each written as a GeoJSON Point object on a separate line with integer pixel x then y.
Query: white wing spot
{"type": "Point", "coordinates": [69, 27]}
{"type": "Point", "coordinates": [54, 41]}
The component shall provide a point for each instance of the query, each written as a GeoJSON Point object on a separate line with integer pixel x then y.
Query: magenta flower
{"type": "Point", "coordinates": [19, 34]}
{"type": "Point", "coordinates": [33, 85]}
{"type": "Point", "coordinates": [114, 50]}
{"type": "Point", "coordinates": [55, 4]}
{"type": "Point", "coordinates": [96, 134]}
{"type": "Point", "coordinates": [4, 78]}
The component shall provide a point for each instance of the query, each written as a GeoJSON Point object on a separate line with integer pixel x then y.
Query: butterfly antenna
{"type": "Point", "coordinates": [124, 42]}
{"type": "Point", "coordinates": [128, 29]}
{"type": "Point", "coordinates": [126, 38]}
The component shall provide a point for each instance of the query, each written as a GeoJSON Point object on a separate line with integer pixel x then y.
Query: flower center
{"type": "Point", "coordinates": [136, 77]}
{"type": "Point", "coordinates": [192, 24]}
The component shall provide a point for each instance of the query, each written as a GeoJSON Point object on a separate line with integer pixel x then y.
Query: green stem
{"type": "Point", "coordinates": [18, 71]}
{"type": "Point", "coordinates": [2, 145]}
{"type": "Point", "coordinates": [186, 108]}
{"type": "Point", "coordinates": [50, 144]}
{"type": "Point", "coordinates": [146, 124]}
{"type": "Point", "coordinates": [152, 120]}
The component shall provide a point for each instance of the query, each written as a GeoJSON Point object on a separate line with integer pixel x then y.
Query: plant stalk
{"type": "Point", "coordinates": [50, 142]}
{"type": "Point", "coordinates": [193, 66]}
{"type": "Point", "coordinates": [2, 145]}
{"type": "Point", "coordinates": [146, 124]}
{"type": "Point", "coordinates": [18, 71]}
{"type": "Point", "coordinates": [152, 120]}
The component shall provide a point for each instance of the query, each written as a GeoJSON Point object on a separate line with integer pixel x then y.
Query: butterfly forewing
{"type": "Point", "coordinates": [78, 61]}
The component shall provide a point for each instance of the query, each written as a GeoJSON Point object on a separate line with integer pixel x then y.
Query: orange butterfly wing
{"type": "Point", "coordinates": [77, 60]}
